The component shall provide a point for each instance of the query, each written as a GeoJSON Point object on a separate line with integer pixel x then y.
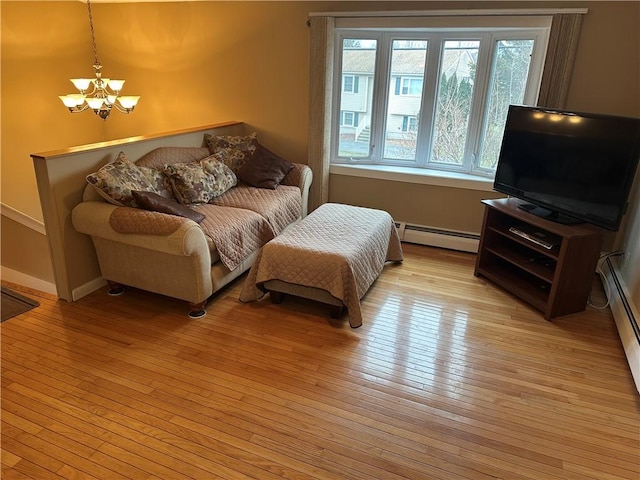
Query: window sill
{"type": "Point", "coordinates": [414, 175]}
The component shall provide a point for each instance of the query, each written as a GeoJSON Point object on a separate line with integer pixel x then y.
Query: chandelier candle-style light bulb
{"type": "Point", "coordinates": [98, 94]}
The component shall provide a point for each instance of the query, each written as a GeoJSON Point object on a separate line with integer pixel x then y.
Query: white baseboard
{"type": "Point", "coordinates": [22, 218]}
{"type": "Point", "coordinates": [625, 314]}
{"type": "Point", "coordinates": [87, 288]}
{"type": "Point", "coordinates": [28, 281]}
{"type": "Point", "coordinates": [436, 237]}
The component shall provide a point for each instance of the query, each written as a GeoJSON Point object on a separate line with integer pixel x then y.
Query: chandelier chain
{"type": "Point", "coordinates": [93, 35]}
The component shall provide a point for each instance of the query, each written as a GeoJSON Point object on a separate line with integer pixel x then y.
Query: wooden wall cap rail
{"type": "Point", "coordinates": [111, 143]}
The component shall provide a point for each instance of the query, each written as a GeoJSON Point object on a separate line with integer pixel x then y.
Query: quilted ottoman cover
{"type": "Point", "coordinates": [337, 248]}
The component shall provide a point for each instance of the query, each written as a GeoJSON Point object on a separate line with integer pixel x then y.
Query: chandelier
{"type": "Point", "coordinates": [98, 94]}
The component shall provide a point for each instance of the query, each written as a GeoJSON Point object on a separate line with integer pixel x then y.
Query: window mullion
{"type": "Point", "coordinates": [430, 87]}
{"type": "Point", "coordinates": [336, 113]}
{"type": "Point", "coordinates": [480, 92]}
{"type": "Point", "coordinates": [534, 81]}
{"type": "Point", "coordinates": [380, 89]}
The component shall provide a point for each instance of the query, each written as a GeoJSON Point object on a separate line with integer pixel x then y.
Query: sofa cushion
{"type": "Point", "coordinates": [200, 182]}
{"type": "Point", "coordinates": [233, 151]}
{"type": "Point", "coordinates": [264, 169]}
{"type": "Point", "coordinates": [157, 203]}
{"type": "Point", "coordinates": [115, 181]}
{"type": "Point", "coordinates": [162, 156]}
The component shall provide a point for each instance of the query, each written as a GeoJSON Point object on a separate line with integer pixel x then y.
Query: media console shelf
{"type": "Point", "coordinates": [556, 281]}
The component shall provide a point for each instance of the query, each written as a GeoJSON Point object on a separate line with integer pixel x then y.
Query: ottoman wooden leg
{"type": "Point", "coordinates": [276, 297]}
{"type": "Point", "coordinates": [337, 311]}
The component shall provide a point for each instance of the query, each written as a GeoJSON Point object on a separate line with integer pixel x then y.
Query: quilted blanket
{"type": "Point", "coordinates": [244, 218]}
{"type": "Point", "coordinates": [337, 248]}
{"type": "Point", "coordinates": [235, 232]}
{"type": "Point", "coordinates": [280, 206]}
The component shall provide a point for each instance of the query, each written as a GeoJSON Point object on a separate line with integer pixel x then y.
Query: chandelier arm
{"type": "Point", "coordinates": [78, 109]}
{"type": "Point", "coordinates": [121, 109]}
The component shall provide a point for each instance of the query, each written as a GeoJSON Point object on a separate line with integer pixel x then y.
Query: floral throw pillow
{"type": "Point", "coordinates": [199, 182]}
{"type": "Point", "coordinates": [160, 181]}
{"type": "Point", "coordinates": [233, 151]}
{"type": "Point", "coordinates": [115, 181]}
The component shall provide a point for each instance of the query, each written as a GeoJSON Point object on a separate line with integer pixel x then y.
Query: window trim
{"type": "Point", "coordinates": [410, 175]}
{"type": "Point", "coordinates": [520, 12]}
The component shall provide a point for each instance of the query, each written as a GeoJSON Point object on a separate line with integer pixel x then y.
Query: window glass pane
{"type": "Point", "coordinates": [453, 102]}
{"type": "Point", "coordinates": [404, 98]}
{"type": "Point", "coordinates": [358, 69]}
{"type": "Point", "coordinates": [508, 84]}
{"type": "Point", "coordinates": [347, 83]}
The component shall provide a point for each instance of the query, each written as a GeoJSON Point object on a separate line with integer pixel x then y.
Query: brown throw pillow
{"type": "Point", "coordinates": [158, 203]}
{"type": "Point", "coordinates": [264, 169]}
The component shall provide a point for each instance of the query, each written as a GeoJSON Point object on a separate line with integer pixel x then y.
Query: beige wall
{"type": "Point", "coordinates": [19, 238]}
{"type": "Point", "coordinates": [196, 63]}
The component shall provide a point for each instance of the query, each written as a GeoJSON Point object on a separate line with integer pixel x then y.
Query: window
{"type": "Point", "coordinates": [409, 124]}
{"type": "Point", "coordinates": [408, 86]}
{"type": "Point", "coordinates": [349, 119]}
{"type": "Point", "coordinates": [435, 98]}
{"type": "Point", "coordinates": [350, 84]}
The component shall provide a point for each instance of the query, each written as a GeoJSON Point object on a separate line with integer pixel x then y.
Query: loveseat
{"type": "Point", "coordinates": [186, 221]}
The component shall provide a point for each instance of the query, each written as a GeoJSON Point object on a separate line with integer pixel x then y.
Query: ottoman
{"type": "Point", "coordinates": [333, 255]}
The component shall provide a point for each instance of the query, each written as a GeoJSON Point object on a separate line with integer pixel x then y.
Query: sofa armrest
{"type": "Point", "coordinates": [93, 218]}
{"type": "Point", "coordinates": [300, 176]}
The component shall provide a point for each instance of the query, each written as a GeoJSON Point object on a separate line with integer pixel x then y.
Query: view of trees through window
{"type": "Point", "coordinates": [507, 87]}
{"type": "Point", "coordinates": [432, 118]}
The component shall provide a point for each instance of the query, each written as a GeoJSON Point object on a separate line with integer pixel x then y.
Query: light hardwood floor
{"type": "Point", "coordinates": [448, 378]}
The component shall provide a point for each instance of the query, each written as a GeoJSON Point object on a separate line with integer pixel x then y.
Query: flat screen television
{"type": "Point", "coordinates": [570, 167]}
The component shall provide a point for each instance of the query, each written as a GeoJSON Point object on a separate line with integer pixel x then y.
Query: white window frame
{"type": "Point", "coordinates": [491, 31]}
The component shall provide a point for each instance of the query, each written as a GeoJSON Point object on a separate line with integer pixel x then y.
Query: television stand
{"type": "Point", "coordinates": [552, 215]}
{"type": "Point", "coordinates": [556, 280]}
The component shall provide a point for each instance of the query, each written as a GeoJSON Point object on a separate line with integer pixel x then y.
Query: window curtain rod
{"type": "Point", "coordinates": [454, 13]}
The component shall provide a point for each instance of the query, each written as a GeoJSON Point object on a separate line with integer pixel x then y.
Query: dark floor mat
{"type": "Point", "coordinates": [14, 304]}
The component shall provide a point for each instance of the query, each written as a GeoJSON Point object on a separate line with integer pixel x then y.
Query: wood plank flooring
{"type": "Point", "coordinates": [448, 378]}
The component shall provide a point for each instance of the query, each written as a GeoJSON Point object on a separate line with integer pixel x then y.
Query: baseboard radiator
{"type": "Point", "coordinates": [436, 237]}
{"type": "Point", "coordinates": [625, 314]}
